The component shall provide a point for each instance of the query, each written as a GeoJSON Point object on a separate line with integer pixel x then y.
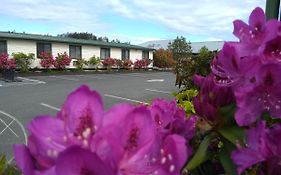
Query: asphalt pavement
{"type": "Point", "coordinates": [44, 95]}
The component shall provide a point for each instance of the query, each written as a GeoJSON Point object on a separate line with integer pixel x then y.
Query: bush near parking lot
{"type": "Point", "coordinates": [62, 60]}
{"type": "Point", "coordinates": [141, 64]}
{"type": "Point", "coordinates": [127, 64]}
{"type": "Point", "coordinates": [94, 61]}
{"type": "Point", "coordinates": [109, 63]}
{"type": "Point", "coordinates": [163, 59]}
{"type": "Point", "coordinates": [6, 63]}
{"type": "Point", "coordinates": [81, 63]}
{"type": "Point", "coordinates": [23, 61]}
{"type": "Point", "coordinates": [47, 60]}
{"type": "Point", "coordinates": [119, 63]}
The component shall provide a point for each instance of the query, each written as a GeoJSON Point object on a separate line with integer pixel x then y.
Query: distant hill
{"type": "Point", "coordinates": [196, 46]}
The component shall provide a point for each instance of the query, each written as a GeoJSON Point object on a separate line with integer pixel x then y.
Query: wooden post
{"type": "Point", "coordinates": [272, 9]}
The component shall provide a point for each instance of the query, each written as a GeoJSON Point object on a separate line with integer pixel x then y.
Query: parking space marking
{"type": "Point", "coordinates": [33, 80]}
{"type": "Point", "coordinates": [89, 76]}
{"type": "Point", "coordinates": [155, 90]}
{"type": "Point", "coordinates": [155, 80]}
{"type": "Point", "coordinates": [7, 126]}
{"type": "Point", "coordinates": [122, 98]}
{"type": "Point", "coordinates": [50, 106]}
{"type": "Point", "coordinates": [63, 78]}
{"type": "Point", "coordinates": [18, 122]}
{"type": "Point", "coordinates": [135, 75]}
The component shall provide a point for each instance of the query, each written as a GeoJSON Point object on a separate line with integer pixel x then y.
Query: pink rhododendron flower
{"type": "Point", "coordinates": [125, 140]}
{"type": "Point", "coordinates": [263, 148]}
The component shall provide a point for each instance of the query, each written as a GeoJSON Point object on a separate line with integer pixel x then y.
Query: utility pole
{"type": "Point", "coordinates": [272, 9]}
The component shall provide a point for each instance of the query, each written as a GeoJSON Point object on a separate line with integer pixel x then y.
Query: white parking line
{"type": "Point", "coordinates": [155, 80]}
{"type": "Point", "coordinates": [18, 122]}
{"type": "Point", "coordinates": [63, 78]}
{"type": "Point", "coordinates": [89, 76]}
{"type": "Point", "coordinates": [28, 79]}
{"type": "Point", "coordinates": [135, 75]}
{"type": "Point", "coordinates": [20, 84]}
{"type": "Point", "coordinates": [50, 106]}
{"type": "Point", "coordinates": [122, 98]}
{"type": "Point", "coordinates": [155, 90]}
{"type": "Point", "coordinates": [7, 126]}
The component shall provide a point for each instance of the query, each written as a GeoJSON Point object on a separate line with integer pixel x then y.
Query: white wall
{"type": "Point", "coordinates": [135, 54]}
{"type": "Point", "coordinates": [24, 46]}
{"type": "Point", "coordinates": [89, 51]}
{"type": "Point", "coordinates": [115, 53]}
{"type": "Point", "coordinates": [60, 48]}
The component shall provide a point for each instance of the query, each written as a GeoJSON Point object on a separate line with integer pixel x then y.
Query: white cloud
{"type": "Point", "coordinates": [204, 18]}
{"type": "Point", "coordinates": [209, 18]}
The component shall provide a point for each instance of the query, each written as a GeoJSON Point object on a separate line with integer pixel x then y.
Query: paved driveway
{"type": "Point", "coordinates": [41, 95]}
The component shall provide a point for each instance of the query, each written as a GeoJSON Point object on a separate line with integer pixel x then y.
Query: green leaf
{"type": "Point", "coordinates": [201, 154]}
{"type": "Point", "coordinates": [2, 163]}
{"type": "Point", "coordinates": [233, 134]}
{"type": "Point", "coordinates": [225, 159]}
{"type": "Point", "coordinates": [227, 114]}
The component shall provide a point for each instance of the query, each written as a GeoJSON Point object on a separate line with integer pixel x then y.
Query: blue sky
{"type": "Point", "coordinates": [136, 21]}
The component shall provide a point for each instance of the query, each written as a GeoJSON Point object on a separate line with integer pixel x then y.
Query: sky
{"type": "Point", "coordinates": [134, 21]}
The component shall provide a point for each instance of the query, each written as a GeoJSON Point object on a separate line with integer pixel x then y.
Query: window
{"type": "Point", "coordinates": [125, 54]}
{"type": "Point", "coordinates": [3, 47]}
{"type": "Point", "coordinates": [145, 55]}
{"type": "Point", "coordinates": [75, 52]}
{"type": "Point", "coordinates": [104, 53]}
{"type": "Point", "coordinates": [44, 47]}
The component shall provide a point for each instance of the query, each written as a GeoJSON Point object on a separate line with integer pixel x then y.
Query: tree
{"type": "Point", "coordinates": [180, 48]}
{"type": "Point", "coordinates": [163, 58]}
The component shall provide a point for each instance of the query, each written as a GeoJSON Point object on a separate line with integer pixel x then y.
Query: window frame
{"type": "Point", "coordinates": [76, 46]}
{"type": "Point", "coordinates": [5, 46]}
{"type": "Point", "coordinates": [107, 49]}
{"type": "Point", "coordinates": [123, 54]}
{"type": "Point", "coordinates": [143, 54]}
{"type": "Point", "coordinates": [44, 43]}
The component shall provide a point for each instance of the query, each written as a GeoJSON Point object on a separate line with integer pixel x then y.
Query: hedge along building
{"type": "Point", "coordinates": [11, 42]}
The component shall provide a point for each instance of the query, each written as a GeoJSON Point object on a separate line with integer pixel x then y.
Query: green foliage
{"type": "Point", "coordinates": [184, 100]}
{"type": "Point", "coordinates": [23, 61]}
{"type": "Point", "coordinates": [201, 154]}
{"type": "Point", "coordinates": [81, 63]}
{"type": "Point", "coordinates": [224, 157]}
{"type": "Point", "coordinates": [94, 61]}
{"type": "Point", "coordinates": [195, 64]}
{"type": "Point", "coordinates": [180, 48]}
{"type": "Point", "coordinates": [6, 168]}
{"type": "Point", "coordinates": [163, 59]}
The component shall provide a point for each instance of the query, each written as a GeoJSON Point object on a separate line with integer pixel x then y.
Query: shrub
{"type": "Point", "coordinates": [141, 64]}
{"type": "Point", "coordinates": [6, 63]}
{"type": "Point", "coordinates": [119, 63]}
{"type": "Point", "coordinates": [127, 64]}
{"type": "Point", "coordinates": [94, 61]}
{"type": "Point", "coordinates": [80, 63]}
{"type": "Point", "coordinates": [62, 60]}
{"type": "Point", "coordinates": [163, 59]}
{"type": "Point", "coordinates": [109, 62]}
{"type": "Point", "coordinates": [196, 64]}
{"type": "Point", "coordinates": [23, 61]}
{"type": "Point", "coordinates": [47, 60]}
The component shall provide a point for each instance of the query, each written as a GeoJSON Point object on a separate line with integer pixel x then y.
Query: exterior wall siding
{"type": "Point", "coordinates": [89, 51]}
{"type": "Point", "coordinates": [135, 54]}
{"type": "Point", "coordinates": [26, 46]}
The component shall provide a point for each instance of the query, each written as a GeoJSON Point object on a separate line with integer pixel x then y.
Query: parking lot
{"type": "Point", "coordinates": [40, 95]}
